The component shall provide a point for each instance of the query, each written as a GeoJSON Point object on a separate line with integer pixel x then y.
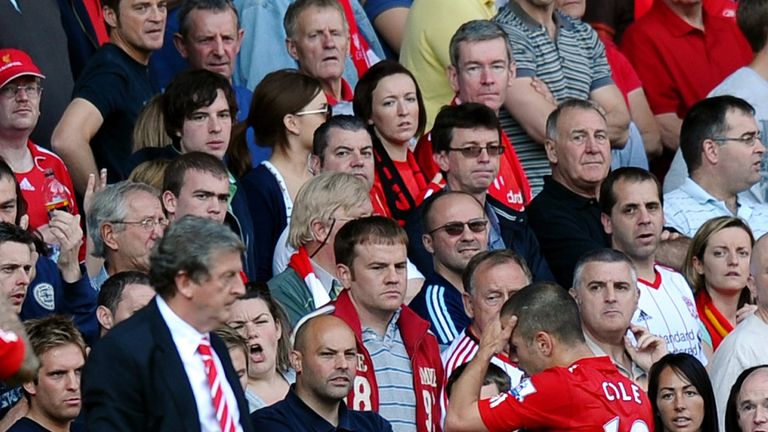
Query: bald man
{"type": "Point", "coordinates": [325, 359]}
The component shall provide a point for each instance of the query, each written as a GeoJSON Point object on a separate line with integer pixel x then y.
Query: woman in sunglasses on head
{"type": "Point", "coordinates": [389, 100]}
{"type": "Point", "coordinates": [286, 108]}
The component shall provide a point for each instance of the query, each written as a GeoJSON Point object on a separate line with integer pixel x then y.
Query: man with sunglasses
{"type": "Point", "coordinates": [456, 230]}
{"type": "Point", "coordinates": [722, 147]}
{"type": "Point", "coordinates": [125, 220]}
{"type": "Point", "coordinates": [467, 147]}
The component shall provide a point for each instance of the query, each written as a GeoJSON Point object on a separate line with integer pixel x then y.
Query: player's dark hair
{"type": "Point", "coordinates": [752, 18]}
{"type": "Point", "coordinates": [321, 139]}
{"type": "Point", "coordinates": [174, 176]}
{"type": "Point", "coordinates": [545, 307]}
{"type": "Point", "coordinates": [690, 369]}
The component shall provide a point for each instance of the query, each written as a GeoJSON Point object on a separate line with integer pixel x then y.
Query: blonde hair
{"type": "Point", "coordinates": [699, 245]}
{"type": "Point", "coordinates": [151, 172]}
{"type": "Point", "coordinates": [149, 130]}
{"type": "Point", "coordinates": [319, 198]}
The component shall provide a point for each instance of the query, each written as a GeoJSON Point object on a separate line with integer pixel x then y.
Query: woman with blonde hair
{"type": "Point", "coordinates": [717, 267]}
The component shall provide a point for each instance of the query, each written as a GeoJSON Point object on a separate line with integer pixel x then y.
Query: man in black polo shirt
{"type": "Point", "coordinates": [325, 358]}
{"type": "Point", "coordinates": [565, 215]}
{"type": "Point", "coordinates": [96, 128]}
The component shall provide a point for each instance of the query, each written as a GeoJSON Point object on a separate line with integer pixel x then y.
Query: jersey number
{"type": "Point", "coordinates": [637, 426]}
{"type": "Point", "coordinates": [429, 400]}
{"type": "Point", "coordinates": [362, 394]}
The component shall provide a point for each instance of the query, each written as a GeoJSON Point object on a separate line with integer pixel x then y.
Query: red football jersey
{"type": "Point", "coordinates": [589, 395]}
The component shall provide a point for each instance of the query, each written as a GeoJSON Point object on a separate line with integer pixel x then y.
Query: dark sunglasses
{"type": "Point", "coordinates": [457, 228]}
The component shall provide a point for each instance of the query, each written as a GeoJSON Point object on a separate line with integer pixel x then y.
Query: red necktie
{"type": "Point", "coordinates": [217, 393]}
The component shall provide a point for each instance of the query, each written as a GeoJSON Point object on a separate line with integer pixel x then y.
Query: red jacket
{"type": "Point", "coordinates": [424, 353]}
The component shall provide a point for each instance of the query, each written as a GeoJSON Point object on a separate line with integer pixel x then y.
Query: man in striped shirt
{"type": "Point", "coordinates": [568, 57]}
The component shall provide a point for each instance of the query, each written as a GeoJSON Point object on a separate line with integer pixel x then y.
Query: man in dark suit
{"type": "Point", "coordinates": [156, 371]}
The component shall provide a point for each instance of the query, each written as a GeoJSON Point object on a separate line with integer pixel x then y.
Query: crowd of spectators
{"type": "Point", "coordinates": [383, 215]}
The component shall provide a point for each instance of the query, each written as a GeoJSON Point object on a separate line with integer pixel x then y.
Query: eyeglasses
{"type": "Point", "coordinates": [474, 151]}
{"type": "Point", "coordinates": [148, 224]}
{"type": "Point", "coordinates": [748, 139]}
{"type": "Point", "coordinates": [454, 229]}
{"type": "Point", "coordinates": [11, 91]}
{"type": "Point", "coordinates": [328, 111]}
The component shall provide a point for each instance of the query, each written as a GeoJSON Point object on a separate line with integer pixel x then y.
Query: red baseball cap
{"type": "Point", "coordinates": [15, 63]}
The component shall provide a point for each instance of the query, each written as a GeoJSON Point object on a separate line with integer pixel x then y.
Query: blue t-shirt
{"type": "Point", "coordinates": [440, 303]}
{"type": "Point", "coordinates": [119, 87]}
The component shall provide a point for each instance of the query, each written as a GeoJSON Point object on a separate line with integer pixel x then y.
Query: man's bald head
{"type": "Point", "coordinates": [308, 332]}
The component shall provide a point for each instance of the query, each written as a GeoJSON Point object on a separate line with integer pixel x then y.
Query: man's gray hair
{"type": "Point", "coordinates": [111, 204]}
{"type": "Point", "coordinates": [603, 255]}
{"type": "Point", "coordinates": [190, 244]}
{"type": "Point", "coordinates": [478, 31]}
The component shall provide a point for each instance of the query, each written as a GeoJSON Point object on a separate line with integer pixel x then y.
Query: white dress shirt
{"type": "Point", "coordinates": [187, 339]}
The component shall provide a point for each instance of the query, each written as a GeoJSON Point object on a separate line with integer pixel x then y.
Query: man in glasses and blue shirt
{"type": "Point", "coordinates": [722, 147]}
{"type": "Point", "coordinates": [467, 147]}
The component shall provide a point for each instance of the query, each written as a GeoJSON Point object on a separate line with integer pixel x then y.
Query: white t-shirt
{"type": "Point", "coordinates": [667, 309]}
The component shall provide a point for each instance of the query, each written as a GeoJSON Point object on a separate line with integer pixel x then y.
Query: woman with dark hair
{"type": "Point", "coordinates": [388, 99]}
{"type": "Point", "coordinates": [262, 322]}
{"type": "Point", "coordinates": [681, 395]}
{"type": "Point", "coordinates": [286, 108]}
{"type": "Point", "coordinates": [746, 402]}
{"type": "Point", "coordinates": [717, 268]}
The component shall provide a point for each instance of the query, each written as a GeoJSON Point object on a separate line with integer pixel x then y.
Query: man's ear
{"type": "Point", "coordinates": [295, 358]}
{"type": "Point", "coordinates": [105, 318]}
{"type": "Point", "coordinates": [290, 45]}
{"type": "Point", "coordinates": [314, 164]}
{"type": "Point", "coordinates": [607, 225]}
{"type": "Point", "coordinates": [453, 77]}
{"type": "Point", "coordinates": [110, 16]}
{"type": "Point", "coordinates": [344, 274]}
{"type": "Point", "coordinates": [178, 42]}
{"type": "Point", "coordinates": [441, 159]}
{"type": "Point", "coordinates": [185, 286]}
{"type": "Point", "coordinates": [710, 151]}
{"type": "Point", "coordinates": [543, 343]}
{"type": "Point", "coordinates": [469, 308]}
{"type": "Point", "coordinates": [169, 202]}
{"type": "Point", "coordinates": [30, 388]}
{"type": "Point", "coordinates": [572, 291]}
{"type": "Point", "coordinates": [426, 240]}
{"type": "Point", "coordinates": [549, 146]}
{"type": "Point", "coordinates": [107, 232]}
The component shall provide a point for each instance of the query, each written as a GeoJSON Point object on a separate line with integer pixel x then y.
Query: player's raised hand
{"type": "Point", "coordinates": [649, 348]}
{"type": "Point", "coordinates": [496, 336]}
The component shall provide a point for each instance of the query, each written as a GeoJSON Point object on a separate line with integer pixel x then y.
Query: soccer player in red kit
{"type": "Point", "coordinates": [568, 390]}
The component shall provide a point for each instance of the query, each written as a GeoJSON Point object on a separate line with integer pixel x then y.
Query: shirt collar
{"type": "Point", "coordinates": [561, 193]}
{"type": "Point", "coordinates": [634, 373]}
{"type": "Point", "coordinates": [325, 277]}
{"type": "Point", "coordinates": [186, 337]}
{"type": "Point", "coordinates": [347, 94]}
{"type": "Point", "coordinates": [676, 25]}
{"type": "Point", "coordinates": [561, 21]}
{"type": "Point", "coordinates": [390, 333]}
{"type": "Point", "coordinates": [313, 421]}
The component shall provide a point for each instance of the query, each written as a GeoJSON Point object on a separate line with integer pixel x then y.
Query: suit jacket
{"type": "Point", "coordinates": [134, 380]}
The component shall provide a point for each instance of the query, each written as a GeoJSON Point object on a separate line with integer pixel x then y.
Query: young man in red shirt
{"type": "Point", "coordinates": [568, 390]}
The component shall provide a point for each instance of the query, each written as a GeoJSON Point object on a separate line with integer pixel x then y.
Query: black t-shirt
{"type": "Point", "coordinates": [119, 87]}
{"type": "Point", "coordinates": [25, 424]}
